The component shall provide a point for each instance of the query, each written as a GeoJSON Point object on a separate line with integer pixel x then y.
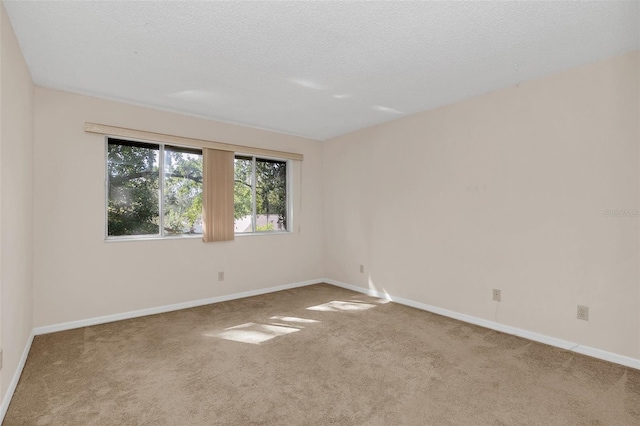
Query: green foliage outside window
{"type": "Point", "coordinates": [135, 178]}
{"type": "Point", "coordinates": [134, 184]}
{"type": "Point", "coordinates": [270, 192]}
{"type": "Point", "coordinates": [182, 192]}
{"type": "Point", "coordinates": [133, 189]}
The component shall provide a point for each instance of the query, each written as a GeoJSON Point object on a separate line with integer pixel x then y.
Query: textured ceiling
{"type": "Point", "coordinates": [316, 69]}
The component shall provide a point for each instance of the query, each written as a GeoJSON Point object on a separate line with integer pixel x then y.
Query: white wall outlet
{"type": "Point", "coordinates": [497, 295]}
{"type": "Point", "coordinates": [361, 269]}
{"type": "Point", "coordinates": [583, 313]}
{"type": "Point", "coordinates": [220, 276]}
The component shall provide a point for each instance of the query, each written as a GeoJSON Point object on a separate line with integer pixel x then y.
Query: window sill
{"type": "Point", "coordinates": [252, 234]}
{"type": "Point", "coordinates": [152, 238]}
{"type": "Point", "coordinates": [186, 237]}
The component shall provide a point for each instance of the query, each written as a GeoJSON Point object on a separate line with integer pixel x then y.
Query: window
{"type": "Point", "coordinates": [156, 190]}
{"type": "Point", "coordinates": [153, 189]}
{"type": "Point", "coordinates": [261, 201]}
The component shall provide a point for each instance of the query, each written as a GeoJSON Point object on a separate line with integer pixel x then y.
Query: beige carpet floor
{"type": "Point", "coordinates": [313, 356]}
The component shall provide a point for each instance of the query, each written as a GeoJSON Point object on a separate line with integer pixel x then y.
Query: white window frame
{"type": "Point", "coordinates": [160, 235]}
{"type": "Point", "coordinates": [288, 188]}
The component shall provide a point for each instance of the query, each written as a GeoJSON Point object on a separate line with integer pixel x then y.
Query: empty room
{"type": "Point", "coordinates": [319, 212]}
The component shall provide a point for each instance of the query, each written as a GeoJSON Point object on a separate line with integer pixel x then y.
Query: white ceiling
{"type": "Point", "coordinates": [316, 69]}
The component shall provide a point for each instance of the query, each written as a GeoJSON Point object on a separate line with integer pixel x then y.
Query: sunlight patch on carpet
{"type": "Point", "coordinates": [341, 306]}
{"type": "Point", "coordinates": [294, 319]}
{"type": "Point", "coordinates": [253, 333]}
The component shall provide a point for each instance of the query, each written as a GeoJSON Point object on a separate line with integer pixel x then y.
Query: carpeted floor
{"type": "Point", "coordinates": [313, 356]}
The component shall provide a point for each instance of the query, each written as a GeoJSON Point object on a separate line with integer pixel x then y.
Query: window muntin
{"type": "Point", "coordinates": [260, 195]}
{"type": "Point", "coordinates": [153, 189]}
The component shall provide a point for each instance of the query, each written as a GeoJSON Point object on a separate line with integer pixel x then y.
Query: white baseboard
{"type": "Point", "coordinates": [15, 379]}
{"type": "Point", "coordinates": [167, 308]}
{"type": "Point", "coordinates": [571, 346]}
{"type": "Point", "coordinates": [552, 341]}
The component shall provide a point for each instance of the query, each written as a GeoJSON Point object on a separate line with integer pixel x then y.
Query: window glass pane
{"type": "Point", "coordinates": [242, 195]}
{"type": "Point", "coordinates": [182, 191]}
{"type": "Point", "coordinates": [133, 188]}
{"type": "Point", "coordinates": [271, 195]}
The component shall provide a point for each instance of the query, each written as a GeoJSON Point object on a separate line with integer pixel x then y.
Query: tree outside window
{"type": "Point", "coordinates": [156, 190]}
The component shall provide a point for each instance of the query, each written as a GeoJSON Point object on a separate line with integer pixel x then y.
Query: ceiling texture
{"type": "Point", "coordinates": [314, 69]}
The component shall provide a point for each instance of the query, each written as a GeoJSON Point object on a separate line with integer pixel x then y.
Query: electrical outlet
{"type": "Point", "coordinates": [361, 269]}
{"type": "Point", "coordinates": [496, 295]}
{"type": "Point", "coordinates": [220, 276]}
{"type": "Point", "coordinates": [583, 313]}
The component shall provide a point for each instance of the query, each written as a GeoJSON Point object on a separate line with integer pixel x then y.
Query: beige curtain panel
{"type": "Point", "coordinates": [217, 197]}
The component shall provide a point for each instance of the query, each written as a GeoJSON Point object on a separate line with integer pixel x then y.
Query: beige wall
{"type": "Point", "coordinates": [508, 191]}
{"type": "Point", "coordinates": [16, 205]}
{"type": "Point", "coordinates": [79, 276]}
